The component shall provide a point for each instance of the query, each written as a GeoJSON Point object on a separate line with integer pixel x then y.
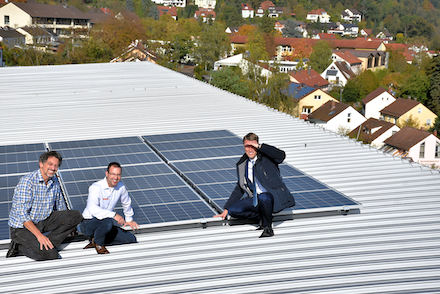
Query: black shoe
{"type": "Point", "coordinates": [13, 249]}
{"type": "Point", "coordinates": [267, 232]}
{"type": "Point", "coordinates": [259, 228]}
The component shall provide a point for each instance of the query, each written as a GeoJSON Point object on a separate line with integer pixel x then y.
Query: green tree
{"type": "Point", "coordinates": [320, 58]}
{"type": "Point", "coordinates": [275, 93]}
{"type": "Point", "coordinates": [212, 45]}
{"type": "Point", "coordinates": [433, 73]}
{"type": "Point", "coordinates": [415, 86]}
{"type": "Point", "coordinates": [230, 79]}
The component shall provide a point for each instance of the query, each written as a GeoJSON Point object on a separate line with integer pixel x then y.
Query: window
{"type": "Point", "coordinates": [348, 117]}
{"type": "Point", "coordinates": [306, 110]}
{"type": "Point", "coordinates": [6, 20]}
{"type": "Point", "coordinates": [317, 97]}
{"type": "Point", "coordinates": [428, 122]}
{"type": "Point", "coordinates": [422, 150]}
{"type": "Point", "coordinates": [419, 110]}
{"type": "Point", "coordinates": [437, 150]}
{"type": "Point", "coordinates": [370, 62]}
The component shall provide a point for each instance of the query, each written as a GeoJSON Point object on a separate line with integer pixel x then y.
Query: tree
{"type": "Point", "coordinates": [275, 93]}
{"type": "Point", "coordinates": [433, 73]}
{"type": "Point", "coordinates": [213, 44]}
{"type": "Point", "coordinates": [416, 86]}
{"type": "Point", "coordinates": [320, 58]}
{"type": "Point", "coordinates": [397, 62]}
{"type": "Point", "coordinates": [230, 79]}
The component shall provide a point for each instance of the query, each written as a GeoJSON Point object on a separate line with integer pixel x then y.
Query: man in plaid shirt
{"type": "Point", "coordinates": [39, 220]}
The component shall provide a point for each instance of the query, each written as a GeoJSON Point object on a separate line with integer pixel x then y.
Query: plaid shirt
{"type": "Point", "coordinates": [34, 200]}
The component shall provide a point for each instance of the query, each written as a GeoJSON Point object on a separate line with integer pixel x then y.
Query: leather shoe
{"type": "Point", "coordinates": [90, 245]}
{"type": "Point", "coordinates": [13, 249]}
{"type": "Point", "coordinates": [267, 232]}
{"type": "Point", "coordinates": [101, 249]}
{"type": "Point", "coordinates": [259, 228]}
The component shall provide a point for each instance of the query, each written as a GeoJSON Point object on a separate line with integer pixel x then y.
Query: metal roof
{"type": "Point", "coordinates": [392, 246]}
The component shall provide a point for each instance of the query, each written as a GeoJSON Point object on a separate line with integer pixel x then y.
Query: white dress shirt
{"type": "Point", "coordinates": [260, 189]}
{"type": "Point", "coordinates": [103, 199]}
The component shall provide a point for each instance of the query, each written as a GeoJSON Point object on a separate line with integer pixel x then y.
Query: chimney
{"type": "Point", "coordinates": [308, 71]}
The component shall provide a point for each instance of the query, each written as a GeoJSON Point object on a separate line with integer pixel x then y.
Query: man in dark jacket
{"type": "Point", "coordinates": [260, 190]}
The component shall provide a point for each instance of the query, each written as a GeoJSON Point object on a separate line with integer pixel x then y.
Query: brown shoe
{"type": "Point", "coordinates": [101, 249]}
{"type": "Point", "coordinates": [90, 245]}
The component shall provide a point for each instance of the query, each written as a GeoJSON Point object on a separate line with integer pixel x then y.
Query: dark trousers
{"type": "Point", "coordinates": [106, 232]}
{"type": "Point", "coordinates": [244, 208]}
{"type": "Point", "coordinates": [58, 225]}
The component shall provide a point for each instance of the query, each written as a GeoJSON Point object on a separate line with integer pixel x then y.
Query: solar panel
{"type": "Point", "coordinates": [158, 194]}
{"type": "Point", "coordinates": [15, 161]}
{"type": "Point", "coordinates": [209, 163]}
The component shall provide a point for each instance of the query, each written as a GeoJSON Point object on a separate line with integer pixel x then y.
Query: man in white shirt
{"type": "Point", "coordinates": [101, 223]}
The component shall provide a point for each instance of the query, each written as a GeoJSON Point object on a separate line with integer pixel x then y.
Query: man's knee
{"type": "Point", "coordinates": [40, 255]}
{"type": "Point", "coordinates": [106, 224]}
{"type": "Point", "coordinates": [74, 217]}
{"type": "Point", "coordinates": [266, 198]}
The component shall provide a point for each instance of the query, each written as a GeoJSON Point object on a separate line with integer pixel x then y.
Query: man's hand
{"type": "Point", "coordinates": [132, 225]}
{"type": "Point", "coordinates": [44, 242]}
{"type": "Point", "coordinates": [223, 215]}
{"type": "Point", "coordinates": [119, 219]}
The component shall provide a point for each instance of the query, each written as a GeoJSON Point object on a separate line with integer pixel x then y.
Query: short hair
{"type": "Point", "coordinates": [44, 156]}
{"type": "Point", "coordinates": [251, 137]}
{"type": "Point", "coordinates": [113, 163]}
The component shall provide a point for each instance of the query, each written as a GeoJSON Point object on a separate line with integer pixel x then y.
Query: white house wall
{"type": "Point", "coordinates": [17, 17]}
{"type": "Point", "coordinates": [390, 247]}
{"type": "Point", "coordinates": [378, 142]}
{"type": "Point", "coordinates": [373, 108]}
{"type": "Point", "coordinates": [340, 122]}
{"type": "Point", "coordinates": [429, 158]}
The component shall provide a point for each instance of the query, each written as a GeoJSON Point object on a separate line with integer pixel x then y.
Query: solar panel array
{"type": "Point", "coordinates": [158, 194]}
{"type": "Point", "coordinates": [15, 161]}
{"type": "Point", "coordinates": [208, 160]}
{"type": "Point", "coordinates": [183, 178]}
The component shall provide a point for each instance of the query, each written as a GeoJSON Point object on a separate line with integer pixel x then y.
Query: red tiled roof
{"type": "Point", "coordinates": [368, 31]}
{"type": "Point", "coordinates": [347, 56]}
{"type": "Point", "coordinates": [205, 13]}
{"type": "Point", "coordinates": [238, 39]}
{"type": "Point", "coordinates": [302, 47]}
{"type": "Point", "coordinates": [317, 11]}
{"type": "Point", "coordinates": [358, 43]}
{"type": "Point", "coordinates": [309, 77]}
{"type": "Point", "coordinates": [365, 134]}
{"type": "Point", "coordinates": [402, 48]}
{"type": "Point", "coordinates": [373, 95]}
{"type": "Point", "coordinates": [406, 138]}
{"type": "Point", "coordinates": [326, 36]}
{"type": "Point", "coordinates": [167, 10]}
{"type": "Point", "coordinates": [399, 107]}
{"type": "Point", "coordinates": [246, 6]}
{"type": "Point", "coordinates": [327, 111]}
{"type": "Point", "coordinates": [266, 4]}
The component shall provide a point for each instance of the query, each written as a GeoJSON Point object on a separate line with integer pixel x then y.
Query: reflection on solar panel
{"type": "Point", "coordinates": [15, 161]}
{"type": "Point", "coordinates": [158, 194]}
{"type": "Point", "coordinates": [207, 160]}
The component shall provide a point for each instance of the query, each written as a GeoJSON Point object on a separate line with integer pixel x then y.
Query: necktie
{"type": "Point", "coordinates": [254, 184]}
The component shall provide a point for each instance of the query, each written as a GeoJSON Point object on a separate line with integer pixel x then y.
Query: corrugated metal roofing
{"type": "Point", "coordinates": [392, 246]}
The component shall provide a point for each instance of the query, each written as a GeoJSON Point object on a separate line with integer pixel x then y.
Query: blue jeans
{"type": "Point", "coordinates": [106, 232]}
{"type": "Point", "coordinates": [244, 208]}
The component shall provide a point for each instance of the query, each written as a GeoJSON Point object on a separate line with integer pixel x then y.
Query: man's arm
{"type": "Point", "coordinates": [128, 210]}
{"type": "Point", "coordinates": [96, 210]}
{"type": "Point", "coordinates": [236, 194]}
{"type": "Point", "coordinates": [275, 154]}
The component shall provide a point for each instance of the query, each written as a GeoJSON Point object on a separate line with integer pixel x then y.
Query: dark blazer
{"type": "Point", "coordinates": [268, 174]}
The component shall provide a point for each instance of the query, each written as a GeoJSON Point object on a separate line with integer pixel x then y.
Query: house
{"type": "Point", "coordinates": [375, 101]}
{"type": "Point", "coordinates": [354, 63]}
{"type": "Point", "coordinates": [338, 73]}
{"type": "Point", "coordinates": [344, 29]}
{"type": "Point", "coordinates": [293, 48]}
{"type": "Point", "coordinates": [366, 32]}
{"type": "Point", "coordinates": [402, 49]}
{"type": "Point", "coordinates": [337, 117]}
{"type": "Point", "coordinates": [61, 20]}
{"type": "Point", "coordinates": [403, 111]}
{"type": "Point", "coordinates": [136, 51]}
{"type": "Point", "coordinates": [11, 37]}
{"type": "Point", "coordinates": [374, 132]}
{"type": "Point", "coordinates": [245, 65]}
{"type": "Point", "coordinates": [351, 15]}
{"type": "Point", "coordinates": [318, 15]}
{"type": "Point", "coordinates": [167, 10]}
{"type": "Point", "coordinates": [36, 36]}
{"type": "Point", "coordinates": [358, 44]}
{"type": "Point", "coordinates": [205, 14]}
{"type": "Point", "coordinates": [231, 30]}
{"type": "Point", "coordinates": [419, 145]}
{"type": "Point", "coordinates": [171, 3]}
{"type": "Point", "coordinates": [208, 4]}
{"type": "Point", "coordinates": [247, 11]}
{"type": "Point", "coordinates": [385, 35]}
{"type": "Point", "coordinates": [238, 43]}
{"type": "Point", "coordinates": [307, 98]}
{"type": "Point", "coordinates": [280, 25]}
{"type": "Point", "coordinates": [325, 36]}
{"type": "Point", "coordinates": [308, 77]}
{"type": "Point", "coordinates": [371, 59]}
{"type": "Point", "coordinates": [263, 8]}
